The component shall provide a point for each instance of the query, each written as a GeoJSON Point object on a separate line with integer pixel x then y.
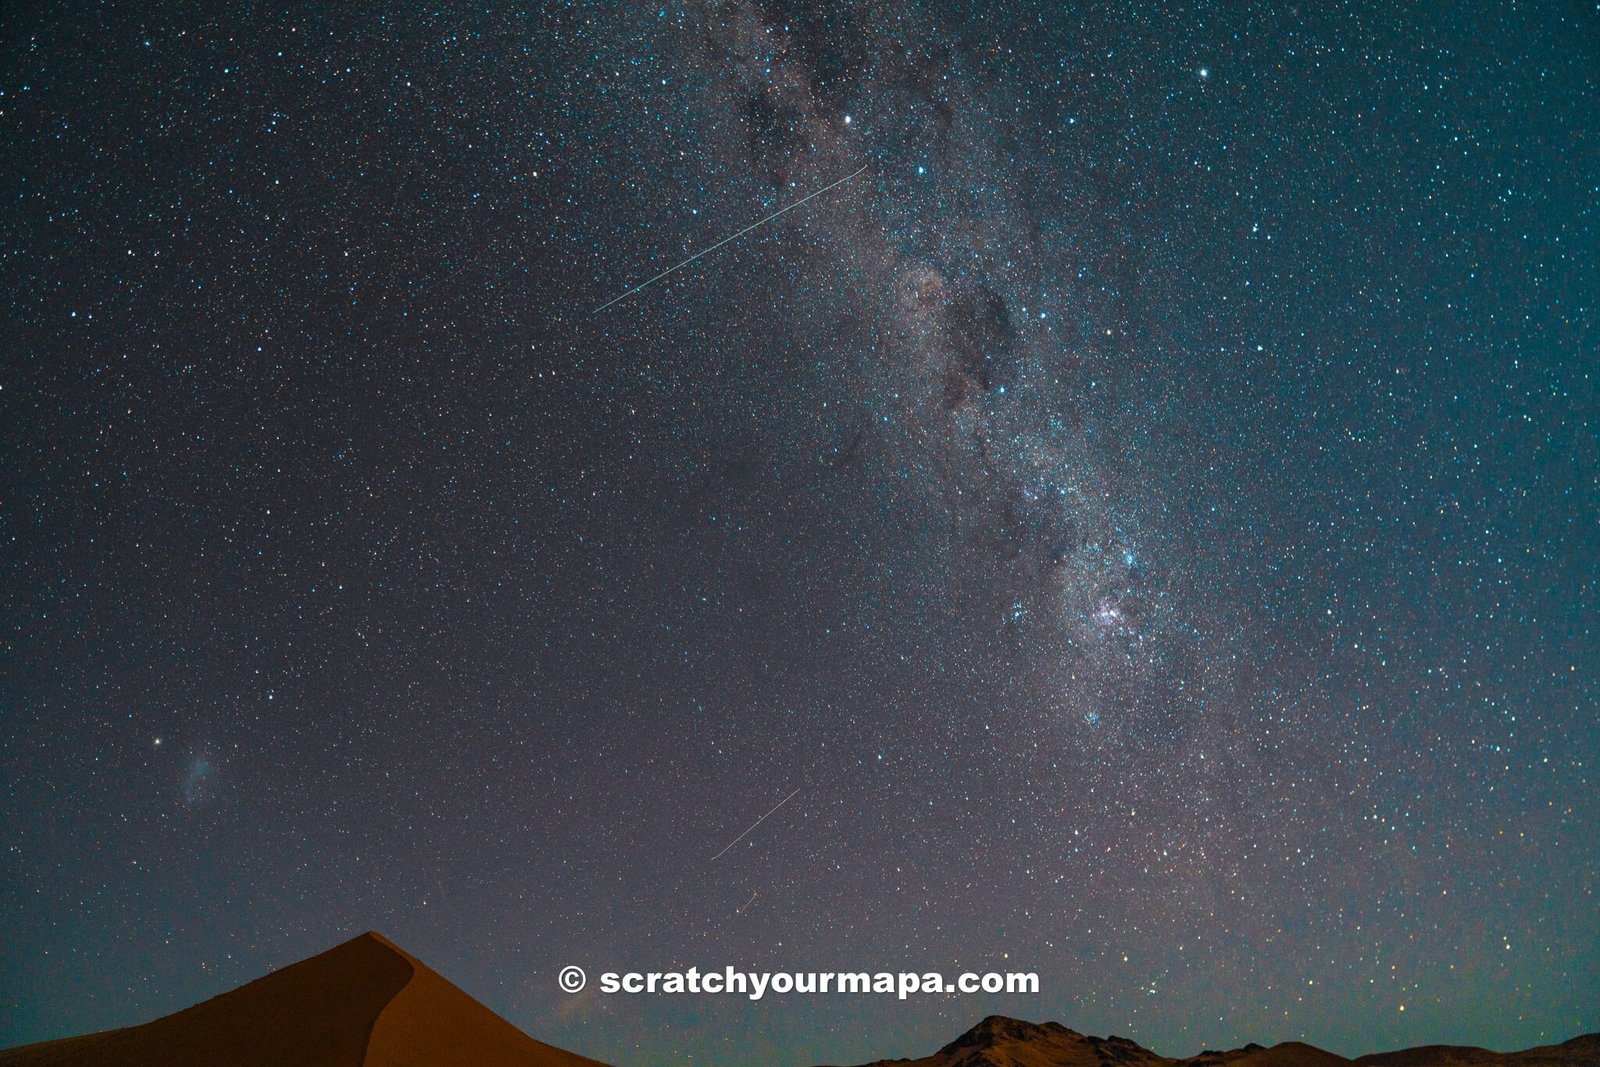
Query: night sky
{"type": "Point", "coordinates": [1150, 514]}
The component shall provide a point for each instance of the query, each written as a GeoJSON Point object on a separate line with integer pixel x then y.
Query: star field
{"type": "Point", "coordinates": [1149, 514]}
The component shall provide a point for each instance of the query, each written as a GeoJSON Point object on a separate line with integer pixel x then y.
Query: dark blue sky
{"type": "Point", "coordinates": [1149, 514]}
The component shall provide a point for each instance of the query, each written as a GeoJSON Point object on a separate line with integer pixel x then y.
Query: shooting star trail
{"type": "Point", "coordinates": [704, 251]}
{"type": "Point", "coordinates": [763, 818]}
{"type": "Point", "coordinates": [752, 900]}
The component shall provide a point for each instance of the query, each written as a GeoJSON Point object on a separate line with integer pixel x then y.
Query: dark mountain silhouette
{"type": "Point", "coordinates": [1001, 1042]}
{"type": "Point", "coordinates": [368, 1003]}
{"type": "Point", "coordinates": [365, 1003]}
{"type": "Point", "coordinates": [1579, 1052]}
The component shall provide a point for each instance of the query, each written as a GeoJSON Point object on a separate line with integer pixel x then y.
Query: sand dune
{"type": "Point", "coordinates": [365, 1003]}
{"type": "Point", "coordinates": [368, 1003]}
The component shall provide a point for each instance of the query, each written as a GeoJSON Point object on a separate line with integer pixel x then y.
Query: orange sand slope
{"type": "Point", "coordinates": [365, 1003]}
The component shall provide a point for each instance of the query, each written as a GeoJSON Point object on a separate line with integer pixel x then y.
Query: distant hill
{"type": "Point", "coordinates": [1579, 1052]}
{"type": "Point", "coordinates": [368, 1003]}
{"type": "Point", "coordinates": [1001, 1042]}
{"type": "Point", "coordinates": [365, 1003]}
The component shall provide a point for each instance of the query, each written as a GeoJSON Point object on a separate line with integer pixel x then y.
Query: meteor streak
{"type": "Point", "coordinates": [725, 240]}
{"type": "Point", "coordinates": [775, 807]}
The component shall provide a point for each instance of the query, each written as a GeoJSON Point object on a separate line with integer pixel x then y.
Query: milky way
{"type": "Point", "coordinates": [1139, 529]}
